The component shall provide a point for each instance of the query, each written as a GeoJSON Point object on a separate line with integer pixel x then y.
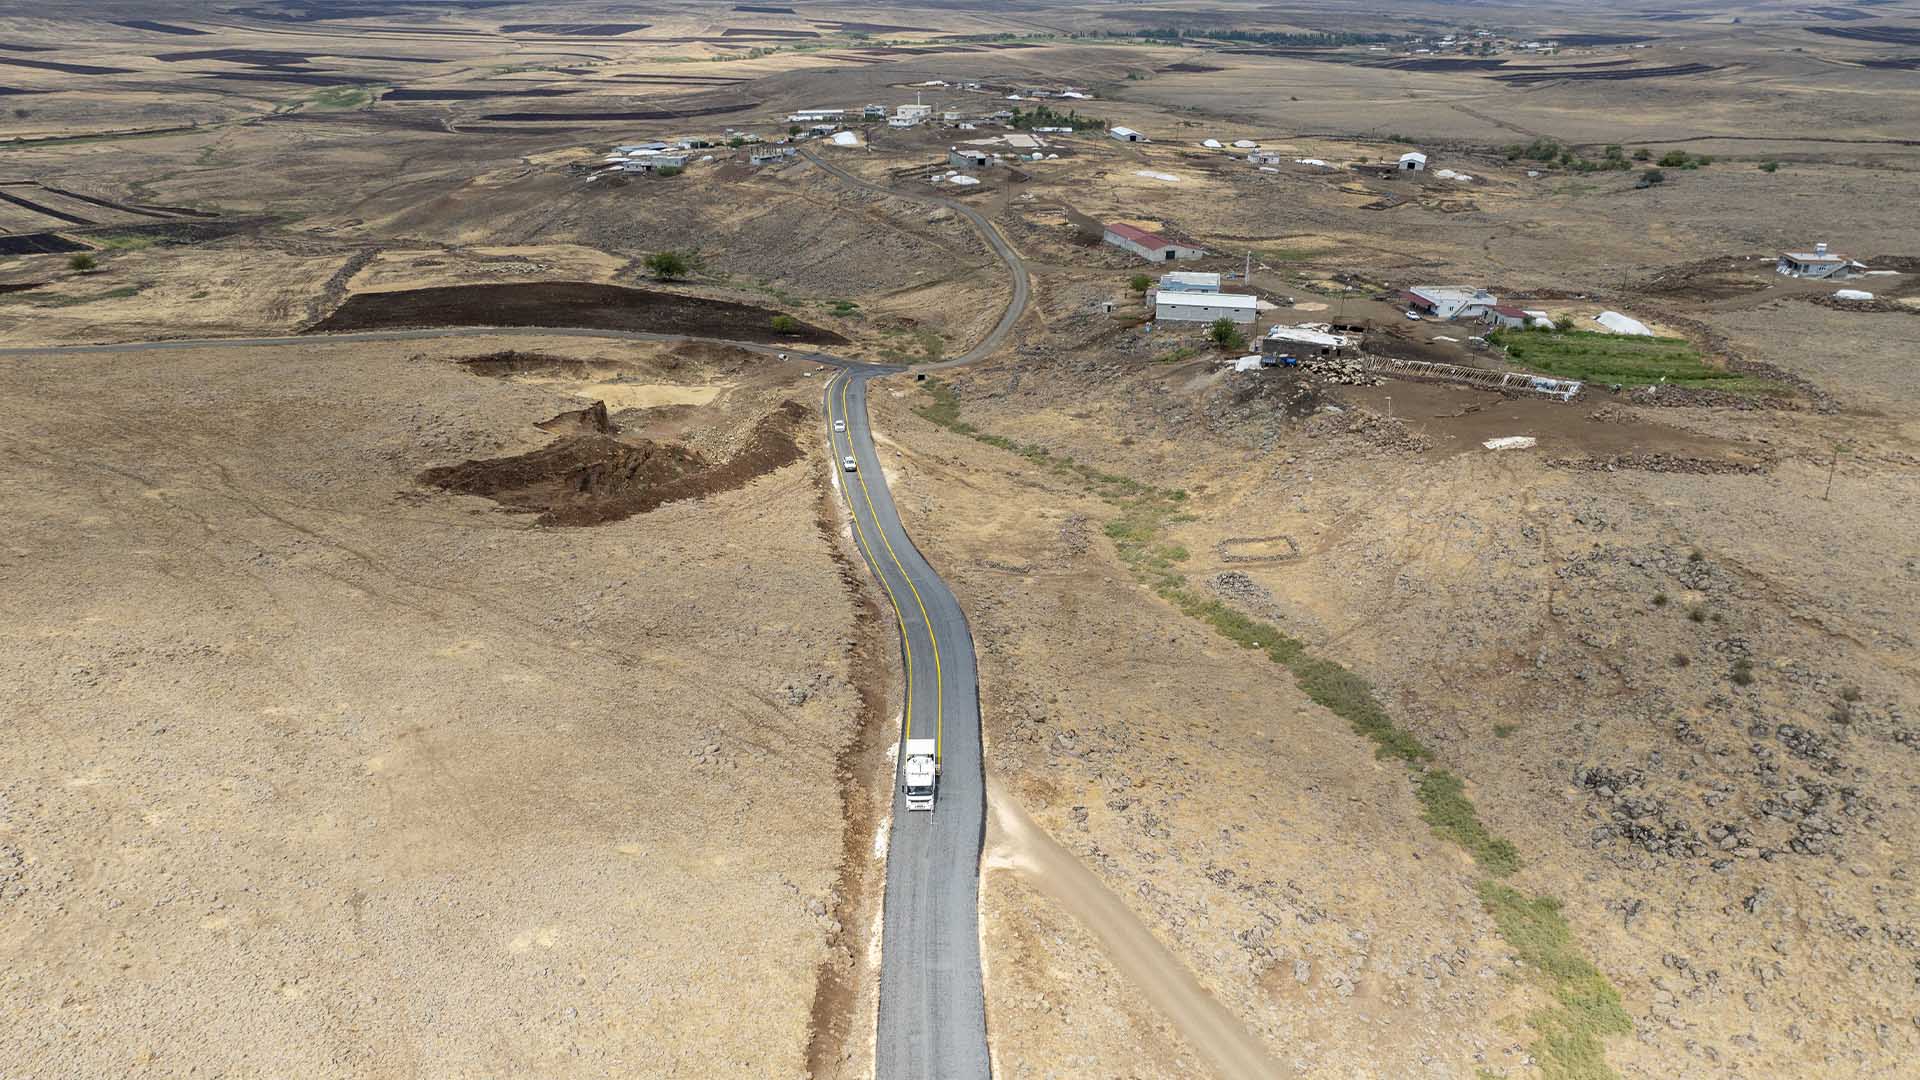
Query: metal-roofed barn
{"type": "Point", "coordinates": [1148, 245]}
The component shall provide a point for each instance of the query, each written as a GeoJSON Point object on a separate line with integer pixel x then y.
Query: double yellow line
{"type": "Point", "coordinates": [866, 550]}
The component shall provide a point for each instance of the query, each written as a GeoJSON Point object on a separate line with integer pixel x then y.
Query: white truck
{"type": "Point", "coordinates": [921, 773]}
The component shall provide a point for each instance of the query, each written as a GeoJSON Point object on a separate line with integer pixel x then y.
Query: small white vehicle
{"type": "Point", "coordinates": [783, 356]}
{"type": "Point", "coordinates": [839, 425]}
{"type": "Point", "coordinates": [849, 464]}
{"type": "Point", "coordinates": [920, 773]}
{"type": "Point", "coordinates": [1414, 315]}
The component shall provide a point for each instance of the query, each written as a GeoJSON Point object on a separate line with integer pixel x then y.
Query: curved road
{"type": "Point", "coordinates": [1016, 305]}
{"type": "Point", "coordinates": [932, 1016]}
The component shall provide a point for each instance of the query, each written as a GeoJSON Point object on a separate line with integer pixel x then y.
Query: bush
{"type": "Point", "coordinates": [1224, 333]}
{"type": "Point", "coordinates": [668, 170]}
{"type": "Point", "coordinates": [1850, 694]}
{"type": "Point", "coordinates": [1697, 614]}
{"type": "Point", "coordinates": [1653, 176]}
{"type": "Point", "coordinates": [1742, 672]}
{"type": "Point", "coordinates": [83, 262]}
{"type": "Point", "coordinates": [1659, 599]}
{"type": "Point", "coordinates": [1769, 166]}
{"type": "Point", "coordinates": [1643, 154]}
{"type": "Point", "coordinates": [1139, 282]}
{"type": "Point", "coordinates": [668, 265]}
{"type": "Point", "coordinates": [785, 324]}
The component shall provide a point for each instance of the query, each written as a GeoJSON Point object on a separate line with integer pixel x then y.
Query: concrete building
{"type": "Point", "coordinates": [1205, 307]}
{"type": "Point", "coordinates": [1449, 302]}
{"type": "Point", "coordinates": [899, 121]}
{"type": "Point", "coordinates": [814, 116]}
{"type": "Point", "coordinates": [968, 159]}
{"type": "Point", "coordinates": [1308, 339]}
{"type": "Point", "coordinates": [1818, 263]}
{"type": "Point", "coordinates": [1126, 134]}
{"type": "Point", "coordinates": [1413, 161]}
{"type": "Point", "coordinates": [1191, 281]}
{"type": "Point", "coordinates": [917, 111]}
{"type": "Point", "coordinates": [770, 155]}
{"type": "Point", "coordinates": [652, 161]}
{"type": "Point", "coordinates": [874, 112]}
{"type": "Point", "coordinates": [1505, 318]}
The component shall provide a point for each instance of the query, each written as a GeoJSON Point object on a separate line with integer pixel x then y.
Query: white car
{"type": "Point", "coordinates": [1414, 315]}
{"type": "Point", "coordinates": [839, 425]}
{"type": "Point", "coordinates": [849, 464]}
{"type": "Point", "coordinates": [783, 356]}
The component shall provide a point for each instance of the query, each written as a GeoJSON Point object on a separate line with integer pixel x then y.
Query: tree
{"type": "Point", "coordinates": [1653, 176]}
{"type": "Point", "coordinates": [1643, 154]}
{"type": "Point", "coordinates": [1139, 282]}
{"type": "Point", "coordinates": [1225, 334]}
{"type": "Point", "coordinates": [668, 265]}
{"type": "Point", "coordinates": [785, 324]}
{"type": "Point", "coordinates": [1673, 159]}
{"type": "Point", "coordinates": [667, 170]}
{"type": "Point", "coordinates": [83, 262]}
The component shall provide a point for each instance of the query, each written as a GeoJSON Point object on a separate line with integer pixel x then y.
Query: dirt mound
{"type": "Point", "coordinates": [589, 477]}
{"type": "Point", "coordinates": [590, 420]}
{"type": "Point", "coordinates": [563, 303]}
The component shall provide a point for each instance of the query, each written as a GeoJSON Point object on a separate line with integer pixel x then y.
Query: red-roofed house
{"type": "Point", "coordinates": [1148, 245]}
{"type": "Point", "coordinates": [1511, 318]}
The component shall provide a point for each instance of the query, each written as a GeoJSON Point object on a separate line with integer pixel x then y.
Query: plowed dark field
{"type": "Point", "coordinates": [575, 304]}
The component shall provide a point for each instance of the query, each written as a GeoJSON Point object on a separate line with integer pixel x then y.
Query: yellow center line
{"type": "Point", "coordinates": [866, 551]}
{"type": "Point", "coordinates": [939, 678]}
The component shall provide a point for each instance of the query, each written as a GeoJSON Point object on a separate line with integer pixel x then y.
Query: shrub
{"type": "Point", "coordinates": [1659, 599]}
{"type": "Point", "coordinates": [1681, 659]}
{"type": "Point", "coordinates": [1742, 672]}
{"type": "Point", "coordinates": [1769, 166]}
{"type": "Point", "coordinates": [668, 170]}
{"type": "Point", "coordinates": [1643, 154]}
{"type": "Point", "coordinates": [1849, 694]}
{"type": "Point", "coordinates": [668, 265]}
{"type": "Point", "coordinates": [1653, 176]}
{"type": "Point", "coordinates": [1501, 731]}
{"type": "Point", "coordinates": [83, 262]}
{"type": "Point", "coordinates": [785, 324]}
{"type": "Point", "coordinates": [1139, 282]}
{"type": "Point", "coordinates": [1697, 613]}
{"type": "Point", "coordinates": [1224, 333]}
{"type": "Point", "coordinates": [1673, 159]}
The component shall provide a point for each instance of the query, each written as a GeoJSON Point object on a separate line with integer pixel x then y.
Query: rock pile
{"type": "Point", "coordinates": [1343, 371]}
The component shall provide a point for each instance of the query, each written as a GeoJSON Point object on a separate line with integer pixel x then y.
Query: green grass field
{"type": "Point", "coordinates": [1619, 358]}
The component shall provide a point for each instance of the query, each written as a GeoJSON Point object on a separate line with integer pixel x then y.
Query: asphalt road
{"type": "Point", "coordinates": [1016, 267]}
{"type": "Point", "coordinates": [932, 1016]}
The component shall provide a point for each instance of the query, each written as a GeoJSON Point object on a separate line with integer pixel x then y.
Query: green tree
{"type": "Point", "coordinates": [668, 265]}
{"type": "Point", "coordinates": [1643, 154]}
{"type": "Point", "coordinates": [785, 324]}
{"type": "Point", "coordinates": [1769, 166]}
{"type": "Point", "coordinates": [1139, 282]}
{"type": "Point", "coordinates": [83, 262]}
{"type": "Point", "coordinates": [1673, 159]}
{"type": "Point", "coordinates": [1224, 333]}
{"type": "Point", "coordinates": [1653, 176]}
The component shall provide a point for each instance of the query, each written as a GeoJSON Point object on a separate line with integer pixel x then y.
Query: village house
{"type": "Point", "coordinates": [1819, 264]}
{"type": "Point", "coordinates": [1449, 302]}
{"type": "Point", "coordinates": [968, 159]}
{"type": "Point", "coordinates": [1126, 134]}
{"type": "Point", "coordinates": [1308, 339]}
{"type": "Point", "coordinates": [1192, 281]}
{"type": "Point", "coordinates": [1413, 161]}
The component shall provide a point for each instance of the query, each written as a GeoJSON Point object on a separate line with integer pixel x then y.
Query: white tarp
{"type": "Point", "coordinates": [1246, 144]}
{"type": "Point", "coordinates": [1247, 363]}
{"type": "Point", "coordinates": [965, 181]}
{"type": "Point", "coordinates": [1853, 294]}
{"type": "Point", "coordinates": [1151, 175]}
{"type": "Point", "coordinates": [1510, 442]}
{"type": "Point", "coordinates": [1211, 144]}
{"type": "Point", "coordinates": [1620, 324]}
{"type": "Point", "coordinates": [845, 138]}
{"type": "Point", "coordinates": [1314, 161]}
